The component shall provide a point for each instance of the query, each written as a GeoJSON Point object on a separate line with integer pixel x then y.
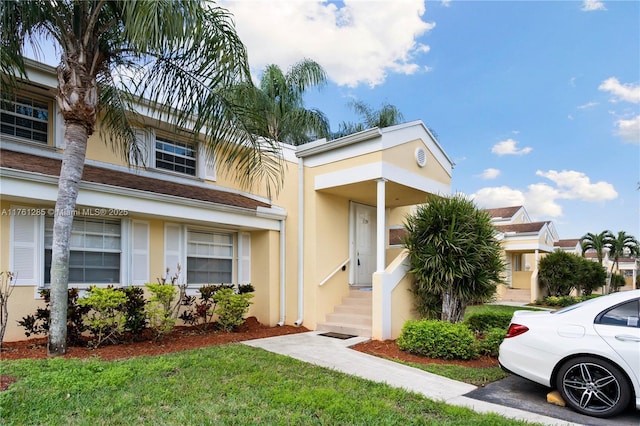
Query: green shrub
{"type": "Point", "coordinates": [437, 339]}
{"type": "Point", "coordinates": [161, 308]}
{"type": "Point", "coordinates": [199, 311]}
{"type": "Point", "coordinates": [488, 343]}
{"type": "Point", "coordinates": [562, 301]}
{"type": "Point", "coordinates": [106, 318]}
{"type": "Point", "coordinates": [136, 320]}
{"type": "Point", "coordinates": [482, 322]}
{"type": "Point", "coordinates": [231, 307]}
{"type": "Point", "coordinates": [39, 323]}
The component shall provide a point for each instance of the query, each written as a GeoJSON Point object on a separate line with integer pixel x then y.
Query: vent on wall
{"type": "Point", "coordinates": [421, 157]}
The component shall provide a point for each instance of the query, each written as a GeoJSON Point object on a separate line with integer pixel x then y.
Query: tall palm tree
{"type": "Point", "coordinates": [275, 110]}
{"type": "Point", "coordinates": [387, 115]}
{"type": "Point", "coordinates": [183, 54]}
{"type": "Point", "coordinates": [623, 245]}
{"type": "Point", "coordinates": [597, 242]}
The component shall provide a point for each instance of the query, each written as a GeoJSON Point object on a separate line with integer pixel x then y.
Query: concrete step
{"type": "Point", "coordinates": [355, 330]}
{"type": "Point", "coordinates": [354, 309]}
{"type": "Point", "coordinates": [353, 301]}
{"type": "Point", "coordinates": [349, 318]}
{"type": "Point", "coordinates": [516, 295]}
{"type": "Point", "coordinates": [353, 316]}
{"type": "Point", "coordinates": [360, 293]}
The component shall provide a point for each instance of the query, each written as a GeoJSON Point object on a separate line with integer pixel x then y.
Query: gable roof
{"type": "Point", "coordinates": [503, 212]}
{"type": "Point", "coordinates": [571, 243]}
{"type": "Point", "coordinates": [522, 227]}
{"type": "Point", "coordinates": [51, 166]}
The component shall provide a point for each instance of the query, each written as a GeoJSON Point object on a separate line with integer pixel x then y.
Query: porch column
{"type": "Point", "coordinates": [535, 285]}
{"type": "Point", "coordinates": [381, 226]}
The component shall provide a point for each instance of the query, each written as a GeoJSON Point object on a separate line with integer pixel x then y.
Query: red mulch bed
{"type": "Point", "coordinates": [389, 349]}
{"type": "Point", "coordinates": [185, 338]}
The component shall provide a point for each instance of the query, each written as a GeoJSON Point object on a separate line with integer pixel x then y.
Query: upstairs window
{"type": "Point", "coordinates": [95, 251]}
{"type": "Point", "coordinates": [175, 156]}
{"type": "Point", "coordinates": [24, 117]}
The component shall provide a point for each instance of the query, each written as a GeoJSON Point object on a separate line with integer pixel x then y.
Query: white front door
{"type": "Point", "coordinates": [364, 256]}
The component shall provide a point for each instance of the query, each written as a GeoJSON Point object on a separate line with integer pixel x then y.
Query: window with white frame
{"type": "Point", "coordinates": [95, 251]}
{"type": "Point", "coordinates": [175, 156]}
{"type": "Point", "coordinates": [24, 117]}
{"type": "Point", "coordinates": [209, 257]}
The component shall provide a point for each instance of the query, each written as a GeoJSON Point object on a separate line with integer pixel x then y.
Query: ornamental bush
{"type": "Point", "coordinates": [106, 319]}
{"type": "Point", "coordinates": [231, 308]}
{"type": "Point", "coordinates": [489, 342]}
{"type": "Point", "coordinates": [482, 322]}
{"type": "Point", "coordinates": [437, 339]}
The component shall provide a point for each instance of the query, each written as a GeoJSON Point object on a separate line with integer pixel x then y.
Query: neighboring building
{"type": "Point", "coordinates": [524, 243]}
{"type": "Point", "coordinates": [323, 238]}
{"type": "Point", "coordinates": [570, 246]}
{"type": "Point", "coordinates": [629, 267]}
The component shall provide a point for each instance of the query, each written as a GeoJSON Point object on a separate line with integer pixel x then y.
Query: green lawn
{"type": "Point", "coordinates": [228, 384]}
{"type": "Point", "coordinates": [476, 309]}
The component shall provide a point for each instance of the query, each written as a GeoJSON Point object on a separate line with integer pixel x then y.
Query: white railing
{"type": "Point", "coordinates": [335, 271]}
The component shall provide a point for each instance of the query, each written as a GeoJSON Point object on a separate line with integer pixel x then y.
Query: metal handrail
{"type": "Point", "coordinates": [339, 268]}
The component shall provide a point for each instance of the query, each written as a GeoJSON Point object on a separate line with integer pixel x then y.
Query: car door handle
{"type": "Point", "coordinates": [627, 338]}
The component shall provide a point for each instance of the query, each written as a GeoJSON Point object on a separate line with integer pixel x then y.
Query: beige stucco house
{"type": "Point", "coordinates": [318, 254]}
{"type": "Point", "coordinates": [524, 242]}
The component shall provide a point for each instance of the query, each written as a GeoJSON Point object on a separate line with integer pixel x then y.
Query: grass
{"type": "Point", "coordinates": [476, 309]}
{"type": "Point", "coordinates": [478, 376]}
{"type": "Point", "coordinates": [222, 385]}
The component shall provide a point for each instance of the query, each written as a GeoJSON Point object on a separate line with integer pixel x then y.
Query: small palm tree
{"type": "Point", "coordinates": [454, 255]}
{"type": "Point", "coordinates": [387, 115]}
{"type": "Point", "coordinates": [276, 110]}
{"type": "Point", "coordinates": [597, 242]}
{"type": "Point", "coordinates": [623, 245]}
{"type": "Point", "coordinates": [184, 54]}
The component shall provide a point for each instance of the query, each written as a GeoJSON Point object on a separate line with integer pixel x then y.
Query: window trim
{"type": "Point", "coordinates": [146, 141]}
{"type": "Point", "coordinates": [52, 115]}
{"type": "Point", "coordinates": [122, 265]}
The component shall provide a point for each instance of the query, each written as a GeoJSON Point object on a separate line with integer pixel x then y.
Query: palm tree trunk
{"type": "Point", "coordinates": [70, 175]}
{"type": "Point", "coordinates": [452, 308]}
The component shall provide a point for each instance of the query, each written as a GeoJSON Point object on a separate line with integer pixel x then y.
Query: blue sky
{"type": "Point", "coordinates": [537, 103]}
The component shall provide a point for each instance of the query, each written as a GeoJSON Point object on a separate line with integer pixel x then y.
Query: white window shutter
{"type": "Point", "coordinates": [142, 144]}
{"type": "Point", "coordinates": [26, 258]}
{"type": "Point", "coordinates": [174, 251]}
{"type": "Point", "coordinates": [139, 252]}
{"type": "Point", "coordinates": [206, 164]}
{"type": "Point", "coordinates": [59, 128]}
{"type": "Point", "coordinates": [244, 258]}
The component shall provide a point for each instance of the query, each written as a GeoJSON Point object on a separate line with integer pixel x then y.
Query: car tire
{"type": "Point", "coordinates": [593, 386]}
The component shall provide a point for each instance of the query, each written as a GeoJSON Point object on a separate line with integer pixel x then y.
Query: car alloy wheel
{"type": "Point", "coordinates": [593, 386]}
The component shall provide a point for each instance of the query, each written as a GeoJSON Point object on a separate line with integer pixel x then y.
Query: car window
{"type": "Point", "coordinates": [625, 315]}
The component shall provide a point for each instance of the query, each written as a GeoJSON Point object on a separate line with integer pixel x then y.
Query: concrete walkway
{"type": "Point", "coordinates": [335, 354]}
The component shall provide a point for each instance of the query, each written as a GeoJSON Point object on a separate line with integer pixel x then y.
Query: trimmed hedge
{"type": "Point", "coordinates": [437, 339]}
{"type": "Point", "coordinates": [489, 342]}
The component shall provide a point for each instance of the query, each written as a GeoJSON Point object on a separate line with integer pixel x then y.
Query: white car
{"type": "Point", "coordinates": [589, 351]}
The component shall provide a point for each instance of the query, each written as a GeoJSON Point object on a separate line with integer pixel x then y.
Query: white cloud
{"type": "Point", "coordinates": [490, 173]}
{"type": "Point", "coordinates": [498, 196]}
{"type": "Point", "coordinates": [543, 200]}
{"type": "Point", "coordinates": [591, 5]}
{"type": "Point", "coordinates": [508, 147]}
{"type": "Point", "coordinates": [354, 42]}
{"type": "Point", "coordinates": [577, 185]}
{"type": "Point", "coordinates": [624, 92]}
{"type": "Point", "coordinates": [589, 104]}
{"type": "Point", "coordinates": [629, 130]}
